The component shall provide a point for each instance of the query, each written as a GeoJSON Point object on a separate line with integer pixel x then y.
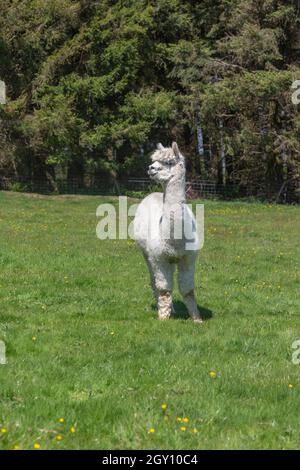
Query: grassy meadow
{"type": "Point", "coordinates": [89, 365]}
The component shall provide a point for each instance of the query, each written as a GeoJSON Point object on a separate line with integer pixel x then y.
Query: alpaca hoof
{"type": "Point", "coordinates": [197, 319]}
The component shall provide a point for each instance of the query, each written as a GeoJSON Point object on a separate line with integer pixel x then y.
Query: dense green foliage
{"type": "Point", "coordinates": [84, 342]}
{"type": "Point", "coordinates": [93, 85]}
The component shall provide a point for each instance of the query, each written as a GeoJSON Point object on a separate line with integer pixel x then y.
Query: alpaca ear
{"type": "Point", "coordinates": [160, 147]}
{"type": "Point", "coordinates": [175, 149]}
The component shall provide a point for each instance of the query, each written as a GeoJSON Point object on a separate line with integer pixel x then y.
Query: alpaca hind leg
{"type": "Point", "coordinates": [186, 273]}
{"type": "Point", "coordinates": [163, 273]}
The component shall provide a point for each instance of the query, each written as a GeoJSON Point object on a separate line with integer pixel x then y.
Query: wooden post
{"type": "Point", "coordinates": [223, 158]}
{"type": "Point", "coordinates": [2, 92]}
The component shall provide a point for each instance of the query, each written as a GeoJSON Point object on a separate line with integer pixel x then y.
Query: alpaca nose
{"type": "Point", "coordinates": [155, 166]}
{"type": "Point", "coordinates": [152, 169]}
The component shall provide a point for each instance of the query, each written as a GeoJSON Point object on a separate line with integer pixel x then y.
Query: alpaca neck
{"type": "Point", "coordinates": [174, 192]}
{"type": "Point", "coordinates": [173, 211]}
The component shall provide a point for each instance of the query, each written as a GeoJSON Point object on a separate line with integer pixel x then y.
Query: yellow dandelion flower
{"type": "Point", "coordinates": [183, 428]}
{"type": "Point", "coordinates": [72, 429]}
{"type": "Point", "coordinates": [36, 445]}
{"type": "Point", "coordinates": [3, 430]}
{"type": "Point", "coordinates": [59, 437]}
{"type": "Point", "coordinates": [179, 419]}
{"type": "Point", "coordinates": [195, 430]}
{"type": "Point", "coordinates": [290, 385]}
{"type": "Point", "coordinates": [164, 406]}
{"type": "Point", "coordinates": [34, 338]}
{"type": "Point", "coordinates": [61, 420]}
{"type": "Point", "coordinates": [185, 420]}
{"type": "Point", "coordinates": [151, 431]}
{"type": "Point", "coordinates": [212, 374]}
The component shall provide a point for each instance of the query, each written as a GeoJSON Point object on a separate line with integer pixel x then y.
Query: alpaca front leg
{"type": "Point", "coordinates": [191, 304]}
{"type": "Point", "coordinates": [163, 274]}
{"type": "Point", "coordinates": [152, 277]}
{"type": "Point", "coordinates": [164, 305]}
{"type": "Point", "coordinates": [186, 274]}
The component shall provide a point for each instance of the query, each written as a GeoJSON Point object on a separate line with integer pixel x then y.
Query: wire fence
{"type": "Point", "coordinates": [195, 188]}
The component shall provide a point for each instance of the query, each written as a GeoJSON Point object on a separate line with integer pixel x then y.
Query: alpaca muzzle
{"type": "Point", "coordinates": [152, 171]}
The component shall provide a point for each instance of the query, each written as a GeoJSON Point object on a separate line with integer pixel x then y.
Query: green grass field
{"type": "Point", "coordinates": [84, 343]}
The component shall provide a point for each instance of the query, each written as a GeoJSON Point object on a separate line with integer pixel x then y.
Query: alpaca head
{"type": "Point", "coordinates": [167, 163]}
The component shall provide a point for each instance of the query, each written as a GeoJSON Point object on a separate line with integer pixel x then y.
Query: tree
{"type": "Point", "coordinates": [93, 86]}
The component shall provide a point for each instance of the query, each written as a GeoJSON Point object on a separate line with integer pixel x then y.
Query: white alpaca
{"type": "Point", "coordinates": [161, 224]}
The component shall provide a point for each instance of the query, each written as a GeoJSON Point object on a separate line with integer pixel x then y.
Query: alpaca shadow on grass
{"type": "Point", "coordinates": [181, 312]}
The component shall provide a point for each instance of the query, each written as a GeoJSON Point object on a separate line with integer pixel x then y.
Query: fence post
{"type": "Point", "coordinates": [2, 92]}
{"type": "Point", "coordinates": [223, 158]}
